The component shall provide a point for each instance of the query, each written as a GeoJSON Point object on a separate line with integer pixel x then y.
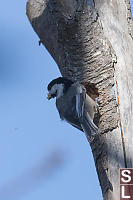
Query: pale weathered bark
{"type": "Point", "coordinates": [91, 41]}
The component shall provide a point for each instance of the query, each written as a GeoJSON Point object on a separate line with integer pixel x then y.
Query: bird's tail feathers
{"type": "Point", "coordinates": [90, 129]}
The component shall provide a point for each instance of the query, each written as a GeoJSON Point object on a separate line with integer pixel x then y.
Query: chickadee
{"type": "Point", "coordinates": [74, 105]}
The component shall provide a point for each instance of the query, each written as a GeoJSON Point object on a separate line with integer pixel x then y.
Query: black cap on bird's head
{"type": "Point", "coordinates": [61, 80]}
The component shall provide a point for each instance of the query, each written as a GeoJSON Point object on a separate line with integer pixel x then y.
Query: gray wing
{"type": "Point", "coordinates": [85, 120]}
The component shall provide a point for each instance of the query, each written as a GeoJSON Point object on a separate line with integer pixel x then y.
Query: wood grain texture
{"type": "Point", "coordinates": [118, 28]}
{"type": "Point", "coordinates": [91, 41]}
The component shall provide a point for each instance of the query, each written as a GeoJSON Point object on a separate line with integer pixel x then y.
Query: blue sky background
{"type": "Point", "coordinates": [40, 156]}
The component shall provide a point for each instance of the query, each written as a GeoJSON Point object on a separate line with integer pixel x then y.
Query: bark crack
{"type": "Point", "coordinates": [121, 128]}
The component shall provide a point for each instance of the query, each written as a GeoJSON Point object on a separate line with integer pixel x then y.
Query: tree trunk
{"type": "Point", "coordinates": [91, 41]}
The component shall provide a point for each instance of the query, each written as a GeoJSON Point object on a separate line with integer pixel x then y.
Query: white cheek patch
{"type": "Point", "coordinates": [57, 89]}
{"type": "Point", "coordinates": [53, 89]}
{"type": "Point", "coordinates": [60, 88]}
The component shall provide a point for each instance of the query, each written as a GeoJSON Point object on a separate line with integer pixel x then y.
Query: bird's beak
{"type": "Point", "coordinates": [49, 96]}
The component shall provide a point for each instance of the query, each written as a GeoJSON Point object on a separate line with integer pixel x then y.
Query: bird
{"type": "Point", "coordinates": [74, 105]}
